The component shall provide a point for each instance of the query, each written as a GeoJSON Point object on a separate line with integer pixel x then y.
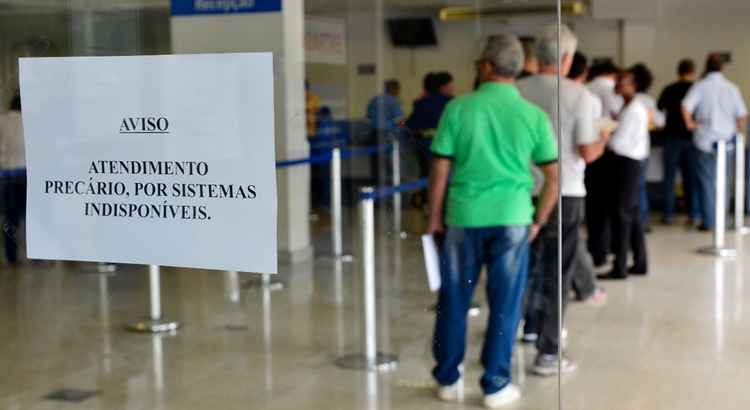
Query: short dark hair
{"type": "Point", "coordinates": [529, 46]}
{"type": "Point", "coordinates": [686, 66]}
{"type": "Point", "coordinates": [579, 66]}
{"type": "Point", "coordinates": [392, 85]}
{"type": "Point", "coordinates": [714, 62]}
{"type": "Point", "coordinates": [642, 77]}
{"type": "Point", "coordinates": [15, 103]}
{"type": "Point", "coordinates": [442, 78]}
{"type": "Point", "coordinates": [428, 83]}
{"type": "Point", "coordinates": [605, 67]}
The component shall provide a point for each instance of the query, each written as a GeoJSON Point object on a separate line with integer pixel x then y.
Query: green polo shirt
{"type": "Point", "coordinates": [492, 137]}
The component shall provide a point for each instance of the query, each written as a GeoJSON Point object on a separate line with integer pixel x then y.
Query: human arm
{"type": "Point", "coordinates": [440, 170]}
{"type": "Point", "coordinates": [547, 198]}
{"type": "Point", "coordinates": [590, 141]}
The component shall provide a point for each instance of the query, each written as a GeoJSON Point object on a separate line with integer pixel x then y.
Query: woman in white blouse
{"type": "Point", "coordinates": [629, 146]}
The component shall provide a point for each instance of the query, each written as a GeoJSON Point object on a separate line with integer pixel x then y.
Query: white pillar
{"type": "Point", "coordinates": [283, 34]}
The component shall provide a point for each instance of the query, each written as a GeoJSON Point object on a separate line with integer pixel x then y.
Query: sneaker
{"type": "Point", "coordinates": [529, 338]}
{"type": "Point", "coordinates": [449, 393]}
{"type": "Point", "coordinates": [509, 394]}
{"type": "Point", "coordinates": [597, 299]}
{"type": "Point", "coordinates": [546, 365]}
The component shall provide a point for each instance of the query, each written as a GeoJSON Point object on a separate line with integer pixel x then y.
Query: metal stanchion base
{"type": "Point", "coordinates": [403, 235]}
{"type": "Point", "coordinates": [345, 258]}
{"type": "Point", "coordinates": [154, 326]}
{"type": "Point", "coordinates": [273, 285]}
{"type": "Point", "coordinates": [743, 231]}
{"type": "Point", "coordinates": [722, 252]}
{"type": "Point", "coordinates": [383, 362]}
{"type": "Point", "coordinates": [474, 310]}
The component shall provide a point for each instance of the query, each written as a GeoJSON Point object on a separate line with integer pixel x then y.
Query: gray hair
{"type": "Point", "coordinates": [547, 52]}
{"type": "Point", "coordinates": [505, 52]}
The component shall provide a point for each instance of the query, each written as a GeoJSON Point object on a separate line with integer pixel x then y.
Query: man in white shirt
{"type": "Point", "coordinates": [579, 143]}
{"type": "Point", "coordinates": [715, 110]}
{"type": "Point", "coordinates": [603, 80]}
{"type": "Point", "coordinates": [629, 146]}
{"type": "Point", "coordinates": [12, 178]}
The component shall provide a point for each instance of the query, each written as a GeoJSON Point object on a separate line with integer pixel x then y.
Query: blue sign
{"type": "Point", "coordinates": [199, 7]}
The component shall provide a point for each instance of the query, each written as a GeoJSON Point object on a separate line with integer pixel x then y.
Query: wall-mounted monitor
{"type": "Point", "coordinates": [412, 32]}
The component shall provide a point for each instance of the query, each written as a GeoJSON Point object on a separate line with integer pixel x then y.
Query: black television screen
{"type": "Point", "coordinates": [412, 32]}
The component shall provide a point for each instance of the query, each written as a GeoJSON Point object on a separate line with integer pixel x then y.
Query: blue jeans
{"type": "Point", "coordinates": [505, 252]}
{"type": "Point", "coordinates": [705, 174]}
{"type": "Point", "coordinates": [679, 154]}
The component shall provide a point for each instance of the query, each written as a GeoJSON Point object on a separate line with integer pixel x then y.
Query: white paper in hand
{"type": "Point", "coordinates": [431, 262]}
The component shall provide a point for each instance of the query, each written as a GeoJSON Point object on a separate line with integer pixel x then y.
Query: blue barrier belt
{"type": "Point", "coordinates": [327, 157]}
{"type": "Point", "coordinates": [389, 191]}
{"type": "Point", "coordinates": [18, 172]}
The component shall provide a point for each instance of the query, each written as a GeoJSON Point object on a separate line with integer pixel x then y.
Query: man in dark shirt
{"type": "Point", "coordinates": [678, 144]}
{"type": "Point", "coordinates": [423, 121]}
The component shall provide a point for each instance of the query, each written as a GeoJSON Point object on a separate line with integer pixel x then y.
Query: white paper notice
{"type": "Point", "coordinates": [431, 262]}
{"type": "Point", "coordinates": [165, 160]}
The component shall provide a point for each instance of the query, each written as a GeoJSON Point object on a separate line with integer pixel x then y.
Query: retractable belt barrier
{"type": "Point", "coordinates": [371, 359]}
{"type": "Point", "coordinates": [334, 158]}
{"type": "Point", "coordinates": [328, 157]}
{"type": "Point", "coordinates": [8, 173]}
{"type": "Point", "coordinates": [718, 247]}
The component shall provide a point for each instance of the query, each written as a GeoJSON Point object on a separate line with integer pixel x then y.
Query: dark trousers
{"type": "Point", "coordinates": [13, 209]}
{"type": "Point", "coordinates": [584, 278]}
{"type": "Point", "coordinates": [679, 154]}
{"type": "Point", "coordinates": [534, 299]}
{"type": "Point", "coordinates": [504, 250]}
{"type": "Point", "coordinates": [597, 215]}
{"type": "Point", "coordinates": [572, 208]}
{"type": "Point", "coordinates": [627, 227]}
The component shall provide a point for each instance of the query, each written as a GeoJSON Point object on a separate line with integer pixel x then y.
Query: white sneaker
{"type": "Point", "coordinates": [449, 393]}
{"type": "Point", "coordinates": [509, 394]}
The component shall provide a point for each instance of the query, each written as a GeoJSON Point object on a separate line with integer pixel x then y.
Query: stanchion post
{"type": "Point", "coordinates": [719, 247]}
{"type": "Point", "coordinates": [337, 237]}
{"type": "Point", "coordinates": [368, 266]}
{"type": "Point", "coordinates": [155, 323]}
{"type": "Point", "coordinates": [739, 186]}
{"type": "Point", "coordinates": [396, 159]}
{"type": "Point", "coordinates": [370, 359]}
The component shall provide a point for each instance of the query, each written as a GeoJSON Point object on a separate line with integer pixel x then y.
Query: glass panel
{"type": "Point", "coordinates": [667, 206]}
{"type": "Point", "coordinates": [354, 318]}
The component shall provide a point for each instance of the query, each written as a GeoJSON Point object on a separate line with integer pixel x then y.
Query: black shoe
{"type": "Point", "coordinates": [612, 276]}
{"type": "Point", "coordinates": [704, 228]}
{"type": "Point", "coordinates": [667, 221]}
{"type": "Point", "coordinates": [637, 271]}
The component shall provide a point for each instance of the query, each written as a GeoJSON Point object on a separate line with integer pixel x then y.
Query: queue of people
{"type": "Point", "coordinates": [496, 173]}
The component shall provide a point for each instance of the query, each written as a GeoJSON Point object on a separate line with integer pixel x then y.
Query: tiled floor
{"type": "Point", "coordinates": [677, 339]}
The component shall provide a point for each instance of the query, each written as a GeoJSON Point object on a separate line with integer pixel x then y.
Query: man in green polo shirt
{"type": "Point", "coordinates": [486, 142]}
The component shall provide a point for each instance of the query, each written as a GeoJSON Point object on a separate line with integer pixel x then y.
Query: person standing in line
{"type": "Point", "coordinates": [678, 144]}
{"type": "Point", "coordinates": [530, 62]}
{"type": "Point", "coordinates": [486, 141]}
{"type": "Point", "coordinates": [584, 278]}
{"type": "Point", "coordinates": [714, 110]}
{"type": "Point", "coordinates": [629, 146]}
{"type": "Point", "coordinates": [312, 107]}
{"type": "Point", "coordinates": [425, 116]}
{"type": "Point", "coordinates": [580, 144]}
{"type": "Point", "coordinates": [656, 122]}
{"type": "Point", "coordinates": [384, 113]}
{"type": "Point", "coordinates": [603, 80]}
{"type": "Point", "coordinates": [13, 179]}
